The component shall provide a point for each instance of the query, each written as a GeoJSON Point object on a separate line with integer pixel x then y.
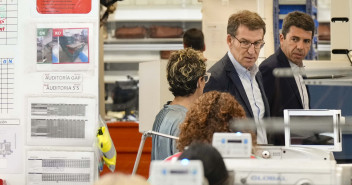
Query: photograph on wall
{"type": "Point", "coordinates": [64, 7]}
{"type": "Point", "coordinates": [62, 45]}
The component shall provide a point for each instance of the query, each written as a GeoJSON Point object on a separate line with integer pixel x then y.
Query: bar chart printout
{"type": "Point", "coordinates": [8, 22]}
{"type": "Point", "coordinates": [6, 85]}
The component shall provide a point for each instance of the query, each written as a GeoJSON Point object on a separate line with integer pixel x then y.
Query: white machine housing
{"type": "Point", "coordinates": [287, 172]}
{"type": "Point", "coordinates": [282, 152]}
{"type": "Point", "coordinates": [233, 145]}
{"type": "Point", "coordinates": [182, 172]}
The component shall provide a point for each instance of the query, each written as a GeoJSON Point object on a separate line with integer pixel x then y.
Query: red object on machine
{"type": "Point", "coordinates": [2, 182]}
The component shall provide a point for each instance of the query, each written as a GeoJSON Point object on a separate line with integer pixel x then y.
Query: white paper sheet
{"type": "Point", "coordinates": [11, 147]}
{"type": "Point", "coordinates": [60, 168]}
{"type": "Point", "coordinates": [7, 79]}
{"type": "Point", "coordinates": [65, 121]}
{"type": "Point", "coordinates": [8, 22]}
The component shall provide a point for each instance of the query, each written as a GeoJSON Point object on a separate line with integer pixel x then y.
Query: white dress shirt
{"type": "Point", "coordinates": [301, 86]}
{"type": "Point", "coordinates": [254, 96]}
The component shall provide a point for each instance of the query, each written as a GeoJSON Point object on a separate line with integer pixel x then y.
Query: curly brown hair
{"type": "Point", "coordinates": [184, 68]}
{"type": "Point", "coordinates": [210, 113]}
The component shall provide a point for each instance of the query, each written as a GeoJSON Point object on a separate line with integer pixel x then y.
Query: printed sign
{"type": "Point", "coordinates": [62, 77]}
{"type": "Point", "coordinates": [64, 7]}
{"type": "Point", "coordinates": [62, 88]}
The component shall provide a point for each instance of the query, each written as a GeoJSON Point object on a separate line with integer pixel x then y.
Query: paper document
{"type": "Point", "coordinates": [60, 168]}
{"type": "Point", "coordinates": [61, 121]}
{"type": "Point", "coordinates": [8, 22]}
{"type": "Point", "coordinates": [11, 147]}
{"type": "Point", "coordinates": [7, 85]}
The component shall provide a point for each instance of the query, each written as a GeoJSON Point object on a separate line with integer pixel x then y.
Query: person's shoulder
{"type": "Point", "coordinates": [176, 108]}
{"type": "Point", "coordinates": [171, 120]}
{"type": "Point", "coordinates": [271, 59]}
{"type": "Point", "coordinates": [170, 111]}
{"type": "Point", "coordinates": [175, 112]}
{"type": "Point", "coordinates": [163, 111]}
{"type": "Point", "coordinates": [218, 68]}
{"type": "Point", "coordinates": [269, 63]}
{"type": "Point", "coordinates": [215, 67]}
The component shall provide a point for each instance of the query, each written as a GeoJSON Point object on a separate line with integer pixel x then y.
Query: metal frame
{"type": "Point", "coordinates": [145, 135]}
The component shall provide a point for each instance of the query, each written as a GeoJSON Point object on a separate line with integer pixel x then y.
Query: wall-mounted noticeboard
{"type": "Point", "coordinates": [48, 90]}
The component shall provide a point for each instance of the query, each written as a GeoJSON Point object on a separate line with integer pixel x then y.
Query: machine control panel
{"type": "Point", "coordinates": [233, 145]}
{"type": "Point", "coordinates": [185, 172]}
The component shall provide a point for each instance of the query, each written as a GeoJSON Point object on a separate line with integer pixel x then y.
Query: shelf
{"type": "Point", "coordinates": [131, 59]}
{"type": "Point", "coordinates": [130, 56]}
{"type": "Point", "coordinates": [152, 13]}
{"type": "Point", "coordinates": [143, 40]}
{"type": "Point", "coordinates": [142, 47]}
{"type": "Point", "coordinates": [324, 42]}
{"type": "Point", "coordinates": [114, 78]}
{"type": "Point", "coordinates": [292, 2]}
{"type": "Point", "coordinates": [324, 47]}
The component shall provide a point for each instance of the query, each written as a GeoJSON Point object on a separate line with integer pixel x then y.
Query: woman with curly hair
{"type": "Point", "coordinates": [186, 74]}
{"type": "Point", "coordinates": [211, 113]}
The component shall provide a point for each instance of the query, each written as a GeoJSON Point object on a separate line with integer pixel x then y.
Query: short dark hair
{"type": "Point", "coordinates": [194, 38]}
{"type": "Point", "coordinates": [214, 167]}
{"type": "Point", "coordinates": [184, 68]}
{"type": "Point", "coordinates": [247, 18]}
{"type": "Point", "coordinates": [298, 19]}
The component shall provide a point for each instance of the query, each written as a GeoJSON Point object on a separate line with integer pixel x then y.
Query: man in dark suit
{"type": "Point", "coordinates": [288, 92]}
{"type": "Point", "coordinates": [237, 72]}
{"type": "Point", "coordinates": [295, 42]}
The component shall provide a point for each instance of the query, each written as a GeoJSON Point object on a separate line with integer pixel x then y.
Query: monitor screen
{"type": "Point", "coordinates": [313, 128]}
{"type": "Point", "coordinates": [321, 135]}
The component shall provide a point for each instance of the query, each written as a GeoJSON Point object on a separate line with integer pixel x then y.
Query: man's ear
{"type": "Point", "coordinates": [282, 38]}
{"type": "Point", "coordinates": [229, 40]}
{"type": "Point", "coordinates": [184, 46]}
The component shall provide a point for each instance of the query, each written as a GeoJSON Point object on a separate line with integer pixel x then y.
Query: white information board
{"type": "Point", "coordinates": [49, 65]}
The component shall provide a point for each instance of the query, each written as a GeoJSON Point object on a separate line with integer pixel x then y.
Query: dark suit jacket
{"type": "Point", "coordinates": [282, 93]}
{"type": "Point", "coordinates": [224, 78]}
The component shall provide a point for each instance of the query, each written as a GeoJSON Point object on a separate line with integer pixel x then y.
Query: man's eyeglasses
{"type": "Point", "coordinates": [246, 44]}
{"type": "Point", "coordinates": [207, 77]}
